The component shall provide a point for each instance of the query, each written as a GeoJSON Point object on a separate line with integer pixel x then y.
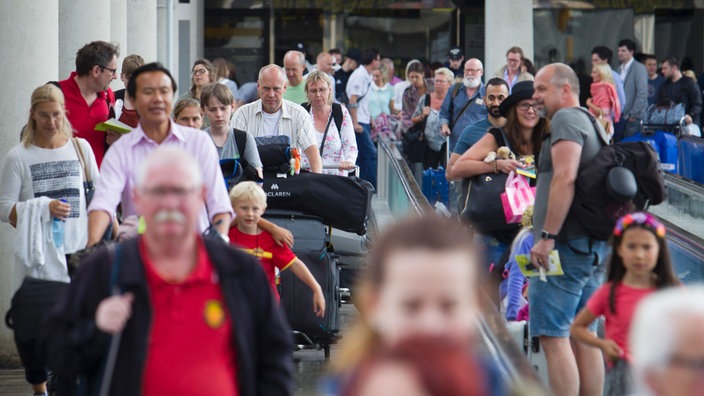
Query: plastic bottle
{"type": "Point", "coordinates": [57, 231]}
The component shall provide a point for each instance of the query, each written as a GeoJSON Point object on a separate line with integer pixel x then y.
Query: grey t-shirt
{"type": "Point", "coordinates": [230, 150]}
{"type": "Point", "coordinates": [567, 124]}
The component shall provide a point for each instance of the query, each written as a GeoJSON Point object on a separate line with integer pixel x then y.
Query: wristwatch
{"type": "Point", "coordinates": [546, 235]}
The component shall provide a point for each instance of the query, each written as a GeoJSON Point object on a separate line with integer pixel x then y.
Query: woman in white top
{"type": "Point", "coordinates": [339, 148]}
{"type": "Point", "coordinates": [36, 176]}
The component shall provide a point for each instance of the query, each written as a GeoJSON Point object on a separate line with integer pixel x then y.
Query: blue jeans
{"type": "Point", "coordinates": [555, 303]}
{"type": "Point", "coordinates": [366, 157]}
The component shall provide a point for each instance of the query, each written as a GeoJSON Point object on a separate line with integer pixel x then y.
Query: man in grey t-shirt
{"type": "Point", "coordinates": [573, 140]}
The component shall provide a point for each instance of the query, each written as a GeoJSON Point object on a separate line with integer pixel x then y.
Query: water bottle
{"type": "Point", "coordinates": [57, 231]}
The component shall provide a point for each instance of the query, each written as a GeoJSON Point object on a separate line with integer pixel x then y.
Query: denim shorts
{"type": "Point", "coordinates": [555, 303]}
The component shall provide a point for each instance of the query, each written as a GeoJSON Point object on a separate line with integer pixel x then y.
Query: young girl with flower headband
{"type": "Point", "coordinates": [639, 265]}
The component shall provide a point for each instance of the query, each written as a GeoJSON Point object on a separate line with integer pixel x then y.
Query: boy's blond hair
{"type": "Point", "coordinates": [248, 191]}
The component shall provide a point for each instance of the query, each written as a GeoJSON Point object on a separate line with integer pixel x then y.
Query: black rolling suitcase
{"type": "Point", "coordinates": [311, 240]}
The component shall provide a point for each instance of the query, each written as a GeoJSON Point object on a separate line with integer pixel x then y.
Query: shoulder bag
{"type": "Point", "coordinates": [482, 205]}
{"type": "Point", "coordinates": [414, 139]}
{"type": "Point", "coordinates": [88, 187]}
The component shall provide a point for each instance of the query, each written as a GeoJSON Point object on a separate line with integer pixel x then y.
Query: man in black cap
{"type": "Point", "coordinates": [455, 60]}
{"type": "Point", "coordinates": [353, 59]}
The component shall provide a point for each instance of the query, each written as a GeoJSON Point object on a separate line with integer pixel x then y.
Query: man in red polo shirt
{"type": "Point", "coordinates": [88, 95]}
{"type": "Point", "coordinates": [196, 316]}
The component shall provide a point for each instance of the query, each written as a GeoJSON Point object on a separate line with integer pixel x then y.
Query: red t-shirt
{"type": "Point", "coordinates": [189, 351]}
{"type": "Point", "coordinates": [617, 326]}
{"type": "Point", "coordinates": [83, 118]}
{"type": "Point", "coordinates": [266, 250]}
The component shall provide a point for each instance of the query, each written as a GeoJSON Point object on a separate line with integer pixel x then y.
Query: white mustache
{"type": "Point", "coordinates": [170, 215]}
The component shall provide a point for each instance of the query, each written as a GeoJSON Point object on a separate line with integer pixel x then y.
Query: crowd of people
{"type": "Point", "coordinates": [191, 322]}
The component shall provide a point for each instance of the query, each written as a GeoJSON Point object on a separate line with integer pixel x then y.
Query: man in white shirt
{"type": "Point", "coordinates": [273, 115]}
{"type": "Point", "coordinates": [357, 88]}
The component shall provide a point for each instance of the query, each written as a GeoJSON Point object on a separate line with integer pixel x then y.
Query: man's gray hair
{"type": "Point", "coordinates": [563, 74]}
{"type": "Point", "coordinates": [280, 70]}
{"type": "Point", "coordinates": [655, 326]}
{"type": "Point", "coordinates": [173, 156]}
{"type": "Point", "coordinates": [300, 56]}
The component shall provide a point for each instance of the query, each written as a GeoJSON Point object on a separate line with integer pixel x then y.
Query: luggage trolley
{"type": "Point", "coordinates": [661, 129]}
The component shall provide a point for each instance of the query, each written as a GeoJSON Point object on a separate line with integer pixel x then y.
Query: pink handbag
{"type": "Point", "coordinates": [518, 196]}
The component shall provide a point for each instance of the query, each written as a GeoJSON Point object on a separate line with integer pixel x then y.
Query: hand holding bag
{"type": "Point", "coordinates": [482, 202]}
{"type": "Point", "coordinates": [517, 197]}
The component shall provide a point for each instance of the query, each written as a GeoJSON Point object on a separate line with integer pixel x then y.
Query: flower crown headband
{"type": "Point", "coordinates": [642, 219]}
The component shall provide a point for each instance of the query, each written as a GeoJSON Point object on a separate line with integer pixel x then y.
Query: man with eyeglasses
{"type": "Point", "coordinates": [511, 71]}
{"type": "Point", "coordinates": [195, 316]}
{"type": "Point", "coordinates": [87, 93]}
{"type": "Point", "coordinates": [667, 343]}
{"type": "Point", "coordinates": [463, 105]}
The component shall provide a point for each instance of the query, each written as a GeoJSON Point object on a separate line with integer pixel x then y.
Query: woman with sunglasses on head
{"type": "Point", "coordinates": [522, 134]}
{"type": "Point", "coordinates": [338, 147]}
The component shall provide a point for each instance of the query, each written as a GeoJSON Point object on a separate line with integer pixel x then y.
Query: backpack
{"type": "Point", "coordinates": [336, 115]}
{"type": "Point", "coordinates": [593, 205]}
{"type": "Point", "coordinates": [250, 172]}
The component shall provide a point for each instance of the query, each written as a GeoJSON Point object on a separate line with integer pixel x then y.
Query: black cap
{"type": "Point", "coordinates": [521, 91]}
{"type": "Point", "coordinates": [455, 53]}
{"type": "Point", "coordinates": [354, 54]}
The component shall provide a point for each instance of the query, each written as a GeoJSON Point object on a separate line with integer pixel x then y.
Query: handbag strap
{"type": "Point", "coordinates": [81, 159]}
{"type": "Point", "coordinates": [325, 134]}
{"type": "Point", "coordinates": [506, 141]}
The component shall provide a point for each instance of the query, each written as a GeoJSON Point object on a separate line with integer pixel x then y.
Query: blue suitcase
{"type": "Point", "coordinates": [665, 144]}
{"type": "Point", "coordinates": [435, 186]}
{"type": "Point", "coordinates": [668, 150]}
{"type": "Point", "coordinates": [691, 158]}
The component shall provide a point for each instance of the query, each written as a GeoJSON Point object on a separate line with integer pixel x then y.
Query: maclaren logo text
{"type": "Point", "coordinates": [277, 194]}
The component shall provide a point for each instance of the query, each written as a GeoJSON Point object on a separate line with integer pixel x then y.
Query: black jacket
{"type": "Point", "coordinates": [685, 91]}
{"type": "Point", "coordinates": [77, 349]}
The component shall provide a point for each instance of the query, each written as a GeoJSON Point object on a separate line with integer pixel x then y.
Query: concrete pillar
{"type": "Point", "coordinates": [118, 34]}
{"type": "Point", "coordinates": [26, 61]}
{"type": "Point", "coordinates": [508, 23]}
{"type": "Point", "coordinates": [80, 22]}
{"type": "Point", "coordinates": [142, 29]}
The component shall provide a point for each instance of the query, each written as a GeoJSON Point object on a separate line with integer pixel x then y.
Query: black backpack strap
{"type": "Point", "coordinates": [240, 140]}
{"type": "Point", "coordinates": [599, 131]}
{"type": "Point", "coordinates": [337, 117]}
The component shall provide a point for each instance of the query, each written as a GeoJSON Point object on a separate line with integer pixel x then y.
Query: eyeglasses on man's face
{"type": "Point", "coordinates": [113, 71]}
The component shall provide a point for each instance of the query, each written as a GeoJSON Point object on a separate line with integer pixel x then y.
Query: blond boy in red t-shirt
{"type": "Point", "coordinates": [249, 202]}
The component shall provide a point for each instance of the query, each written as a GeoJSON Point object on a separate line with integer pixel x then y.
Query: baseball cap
{"type": "Point", "coordinates": [455, 53]}
{"type": "Point", "coordinates": [354, 54]}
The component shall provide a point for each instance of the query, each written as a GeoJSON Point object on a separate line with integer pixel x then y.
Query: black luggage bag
{"type": "Point", "coordinates": [311, 240]}
{"type": "Point", "coordinates": [342, 202]}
